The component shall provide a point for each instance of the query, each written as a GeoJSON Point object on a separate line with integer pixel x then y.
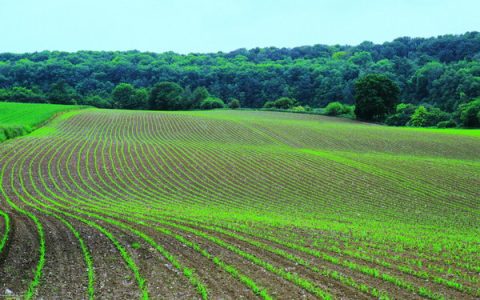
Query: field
{"type": "Point", "coordinates": [238, 204]}
{"type": "Point", "coordinates": [17, 119]}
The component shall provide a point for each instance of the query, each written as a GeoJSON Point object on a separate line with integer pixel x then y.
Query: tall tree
{"type": "Point", "coordinates": [125, 96]}
{"type": "Point", "coordinates": [375, 97]}
{"type": "Point", "coordinates": [62, 93]}
{"type": "Point", "coordinates": [166, 96]}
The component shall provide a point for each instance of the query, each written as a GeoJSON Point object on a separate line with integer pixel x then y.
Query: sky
{"type": "Point", "coordinates": [186, 26]}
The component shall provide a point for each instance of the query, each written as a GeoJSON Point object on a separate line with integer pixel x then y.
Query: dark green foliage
{"type": "Point", "coordinates": [199, 94]}
{"type": "Point", "coordinates": [234, 104]}
{"type": "Point", "coordinates": [375, 97]}
{"type": "Point", "coordinates": [10, 132]}
{"type": "Point", "coordinates": [62, 93]}
{"type": "Point", "coordinates": [470, 114]}
{"type": "Point", "coordinates": [447, 124]}
{"type": "Point", "coordinates": [402, 115]}
{"type": "Point", "coordinates": [212, 103]}
{"type": "Point", "coordinates": [140, 98]}
{"type": "Point", "coordinates": [166, 96]}
{"type": "Point", "coordinates": [125, 96]}
{"type": "Point", "coordinates": [97, 101]}
{"type": "Point", "coordinates": [442, 71]}
{"type": "Point", "coordinates": [281, 103]}
{"type": "Point", "coordinates": [268, 104]}
{"type": "Point", "coordinates": [21, 94]}
{"type": "Point", "coordinates": [122, 95]}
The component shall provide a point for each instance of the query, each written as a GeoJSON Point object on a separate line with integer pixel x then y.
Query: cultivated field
{"type": "Point", "coordinates": [238, 204]}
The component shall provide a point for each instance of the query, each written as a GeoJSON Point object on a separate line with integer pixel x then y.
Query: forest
{"type": "Point", "coordinates": [437, 75]}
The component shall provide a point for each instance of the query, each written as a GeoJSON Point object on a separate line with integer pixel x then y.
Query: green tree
{"type": "Point", "coordinates": [268, 104]}
{"type": "Point", "coordinates": [419, 117]}
{"type": "Point", "coordinates": [125, 96]}
{"type": "Point", "coordinates": [427, 117]}
{"type": "Point", "coordinates": [212, 103]}
{"type": "Point", "coordinates": [21, 94]}
{"type": "Point", "coordinates": [97, 101]}
{"type": "Point", "coordinates": [4, 95]}
{"type": "Point", "coordinates": [362, 58]}
{"type": "Point", "coordinates": [470, 114]}
{"type": "Point", "coordinates": [284, 103]}
{"type": "Point", "coordinates": [375, 97]}
{"type": "Point", "coordinates": [199, 94]}
{"type": "Point", "coordinates": [62, 93]}
{"type": "Point", "coordinates": [166, 96]}
{"type": "Point", "coordinates": [122, 96]}
{"type": "Point", "coordinates": [141, 98]}
{"type": "Point", "coordinates": [234, 104]}
{"type": "Point", "coordinates": [402, 115]}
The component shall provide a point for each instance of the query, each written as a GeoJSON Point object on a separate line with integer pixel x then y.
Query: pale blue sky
{"type": "Point", "coordinates": [223, 25]}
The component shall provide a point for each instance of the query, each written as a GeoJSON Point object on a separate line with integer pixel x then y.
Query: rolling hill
{"type": "Point", "coordinates": [238, 204]}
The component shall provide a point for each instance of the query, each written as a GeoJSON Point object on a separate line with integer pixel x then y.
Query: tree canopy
{"type": "Point", "coordinates": [166, 96]}
{"type": "Point", "coordinates": [375, 97]}
{"type": "Point", "coordinates": [443, 71]}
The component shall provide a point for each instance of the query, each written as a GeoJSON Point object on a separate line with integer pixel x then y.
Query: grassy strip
{"type": "Point", "coordinates": [17, 119]}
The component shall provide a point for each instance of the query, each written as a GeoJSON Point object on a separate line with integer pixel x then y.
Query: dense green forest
{"type": "Point", "coordinates": [439, 73]}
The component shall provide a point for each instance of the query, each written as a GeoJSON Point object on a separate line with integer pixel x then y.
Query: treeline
{"type": "Point", "coordinates": [442, 71]}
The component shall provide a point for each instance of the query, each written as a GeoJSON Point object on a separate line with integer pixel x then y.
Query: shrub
{"type": "Point", "coordinates": [447, 124]}
{"type": "Point", "coordinates": [338, 109]}
{"type": "Point", "coordinates": [402, 115]}
{"type": "Point", "coordinates": [21, 94]}
{"type": "Point", "coordinates": [334, 109]}
{"type": "Point", "coordinates": [268, 104]}
{"type": "Point", "coordinates": [97, 101]}
{"type": "Point", "coordinates": [197, 96]}
{"type": "Point", "coordinates": [470, 114]}
{"type": "Point", "coordinates": [427, 117]}
{"type": "Point", "coordinates": [281, 103]}
{"type": "Point", "coordinates": [212, 103]}
{"type": "Point", "coordinates": [234, 104]}
{"type": "Point", "coordinates": [298, 109]}
{"type": "Point", "coordinates": [284, 103]}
